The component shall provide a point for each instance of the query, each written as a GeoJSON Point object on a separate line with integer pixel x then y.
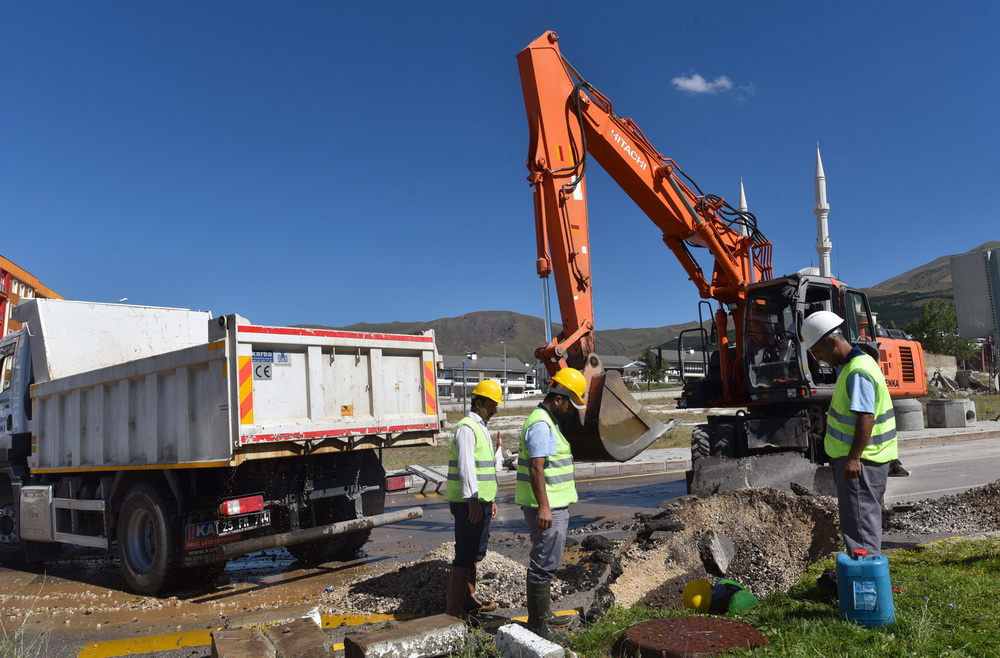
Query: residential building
{"type": "Point", "coordinates": [460, 374]}
{"type": "Point", "coordinates": [17, 284]}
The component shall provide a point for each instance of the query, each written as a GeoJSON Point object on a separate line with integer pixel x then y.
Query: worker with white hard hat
{"type": "Point", "coordinates": [471, 493]}
{"type": "Point", "coordinates": [861, 431]}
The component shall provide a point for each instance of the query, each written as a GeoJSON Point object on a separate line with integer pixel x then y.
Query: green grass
{"type": "Point", "coordinates": [948, 605]}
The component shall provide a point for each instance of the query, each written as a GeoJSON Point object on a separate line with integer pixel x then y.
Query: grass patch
{"type": "Point", "coordinates": [949, 605]}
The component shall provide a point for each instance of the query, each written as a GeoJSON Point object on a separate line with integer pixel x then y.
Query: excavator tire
{"type": "Point", "coordinates": [699, 442]}
{"type": "Point", "coordinates": [723, 443]}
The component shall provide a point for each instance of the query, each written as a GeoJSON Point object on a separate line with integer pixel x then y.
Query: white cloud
{"type": "Point", "coordinates": [695, 84]}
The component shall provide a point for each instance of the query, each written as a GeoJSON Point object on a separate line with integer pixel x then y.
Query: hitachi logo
{"type": "Point", "coordinates": [628, 149]}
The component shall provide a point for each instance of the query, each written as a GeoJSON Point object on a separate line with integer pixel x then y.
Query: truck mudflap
{"type": "Point", "coordinates": [237, 548]}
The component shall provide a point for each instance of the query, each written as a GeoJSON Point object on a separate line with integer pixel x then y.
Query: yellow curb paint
{"type": "Point", "coordinates": [203, 637]}
{"type": "Point", "coordinates": [147, 644]}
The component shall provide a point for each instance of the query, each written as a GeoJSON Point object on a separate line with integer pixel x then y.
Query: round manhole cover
{"type": "Point", "coordinates": [688, 637]}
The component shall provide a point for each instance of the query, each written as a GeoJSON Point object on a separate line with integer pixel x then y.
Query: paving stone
{"type": "Point", "coordinates": [241, 643]}
{"type": "Point", "coordinates": [301, 638]}
{"type": "Point", "coordinates": [516, 641]}
{"type": "Point", "coordinates": [418, 638]}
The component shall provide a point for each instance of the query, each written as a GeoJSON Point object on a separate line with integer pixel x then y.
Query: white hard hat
{"type": "Point", "coordinates": [818, 325]}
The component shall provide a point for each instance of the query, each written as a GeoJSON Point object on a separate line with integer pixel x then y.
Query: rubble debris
{"type": "Point", "coordinates": [974, 511]}
{"type": "Point", "coordinates": [775, 535]}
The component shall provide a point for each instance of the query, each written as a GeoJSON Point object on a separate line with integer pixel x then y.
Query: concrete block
{"type": "Point", "coordinates": [717, 474]}
{"type": "Point", "coordinates": [951, 413]}
{"type": "Point", "coordinates": [301, 638]}
{"type": "Point", "coordinates": [418, 638]}
{"type": "Point", "coordinates": [241, 643]}
{"type": "Point", "coordinates": [584, 470]}
{"type": "Point", "coordinates": [516, 641]}
{"type": "Point", "coordinates": [909, 414]}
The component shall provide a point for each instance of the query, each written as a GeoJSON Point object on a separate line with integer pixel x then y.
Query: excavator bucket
{"type": "Point", "coordinates": [615, 426]}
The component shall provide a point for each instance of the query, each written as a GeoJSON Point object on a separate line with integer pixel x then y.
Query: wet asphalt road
{"type": "Point", "coordinates": [79, 606]}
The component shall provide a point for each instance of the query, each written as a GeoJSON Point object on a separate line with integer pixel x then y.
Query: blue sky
{"type": "Point", "coordinates": [326, 163]}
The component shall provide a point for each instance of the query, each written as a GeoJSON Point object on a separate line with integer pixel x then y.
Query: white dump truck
{"type": "Point", "coordinates": [183, 440]}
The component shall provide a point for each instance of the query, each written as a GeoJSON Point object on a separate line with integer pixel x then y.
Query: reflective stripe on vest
{"type": "Point", "coordinates": [841, 421]}
{"type": "Point", "coordinates": [560, 487]}
{"type": "Point", "coordinates": [486, 471]}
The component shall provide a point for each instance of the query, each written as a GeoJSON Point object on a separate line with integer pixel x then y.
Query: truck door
{"type": "Point", "coordinates": [15, 378]}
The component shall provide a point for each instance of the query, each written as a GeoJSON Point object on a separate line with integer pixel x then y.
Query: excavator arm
{"type": "Point", "coordinates": [569, 120]}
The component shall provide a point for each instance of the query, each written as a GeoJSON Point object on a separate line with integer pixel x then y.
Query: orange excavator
{"type": "Point", "coordinates": [752, 358]}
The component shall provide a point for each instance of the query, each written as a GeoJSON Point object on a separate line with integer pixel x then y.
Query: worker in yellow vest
{"type": "Point", "coordinates": [545, 490]}
{"type": "Point", "coordinates": [471, 493]}
{"type": "Point", "coordinates": [860, 431]}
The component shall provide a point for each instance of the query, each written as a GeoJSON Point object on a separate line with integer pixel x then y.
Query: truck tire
{"type": "Point", "coordinates": [339, 547]}
{"type": "Point", "coordinates": [11, 544]}
{"type": "Point", "coordinates": [149, 539]}
{"type": "Point", "coordinates": [699, 442]}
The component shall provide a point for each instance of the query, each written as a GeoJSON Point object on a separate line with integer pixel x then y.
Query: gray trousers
{"type": "Point", "coordinates": [860, 503]}
{"type": "Point", "coordinates": [546, 545]}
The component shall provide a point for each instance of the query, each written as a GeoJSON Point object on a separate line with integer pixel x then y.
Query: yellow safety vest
{"type": "Point", "coordinates": [560, 487]}
{"type": "Point", "coordinates": [841, 421]}
{"type": "Point", "coordinates": [486, 471]}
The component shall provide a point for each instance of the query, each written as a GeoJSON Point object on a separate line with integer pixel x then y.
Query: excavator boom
{"type": "Point", "coordinates": [569, 121]}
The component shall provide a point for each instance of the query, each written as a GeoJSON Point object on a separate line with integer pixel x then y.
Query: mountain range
{"type": "Point", "coordinates": [489, 333]}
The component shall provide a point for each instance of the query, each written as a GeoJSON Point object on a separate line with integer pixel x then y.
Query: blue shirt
{"type": "Point", "coordinates": [860, 389]}
{"type": "Point", "coordinates": [540, 440]}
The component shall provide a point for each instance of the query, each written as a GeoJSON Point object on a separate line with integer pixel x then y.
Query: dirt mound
{"type": "Point", "coordinates": [772, 536]}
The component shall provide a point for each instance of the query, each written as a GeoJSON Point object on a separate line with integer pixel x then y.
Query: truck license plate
{"type": "Point", "coordinates": [233, 524]}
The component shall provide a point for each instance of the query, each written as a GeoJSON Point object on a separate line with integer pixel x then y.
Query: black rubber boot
{"type": "Point", "coordinates": [539, 611]}
{"type": "Point", "coordinates": [541, 621]}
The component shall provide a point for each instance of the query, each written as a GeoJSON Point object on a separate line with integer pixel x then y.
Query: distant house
{"type": "Point", "coordinates": [693, 363]}
{"type": "Point", "coordinates": [459, 375]}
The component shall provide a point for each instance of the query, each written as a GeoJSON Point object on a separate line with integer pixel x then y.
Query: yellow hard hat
{"type": "Point", "coordinates": [571, 381]}
{"type": "Point", "coordinates": [698, 595]}
{"type": "Point", "coordinates": [489, 389]}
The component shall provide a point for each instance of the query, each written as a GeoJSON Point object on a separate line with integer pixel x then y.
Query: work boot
{"type": "Point", "coordinates": [472, 603]}
{"type": "Point", "coordinates": [458, 583]}
{"type": "Point", "coordinates": [541, 621]}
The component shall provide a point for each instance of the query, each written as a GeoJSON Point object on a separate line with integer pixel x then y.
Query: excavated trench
{"type": "Point", "coordinates": [770, 538]}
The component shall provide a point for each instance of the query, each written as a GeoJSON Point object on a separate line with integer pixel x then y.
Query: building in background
{"type": "Point", "coordinates": [16, 284]}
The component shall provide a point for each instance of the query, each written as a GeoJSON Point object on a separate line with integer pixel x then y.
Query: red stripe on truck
{"type": "Point", "coordinates": [291, 331]}
{"type": "Point", "coordinates": [323, 434]}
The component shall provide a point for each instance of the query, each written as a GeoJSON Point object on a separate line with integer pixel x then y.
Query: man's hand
{"type": "Point", "coordinates": [852, 467]}
{"type": "Point", "coordinates": [544, 518]}
{"type": "Point", "coordinates": [494, 511]}
{"type": "Point", "coordinates": [475, 511]}
{"type": "Point", "coordinates": [862, 434]}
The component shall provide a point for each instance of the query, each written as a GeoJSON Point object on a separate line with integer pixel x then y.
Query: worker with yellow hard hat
{"type": "Point", "coordinates": [471, 493]}
{"type": "Point", "coordinates": [545, 490]}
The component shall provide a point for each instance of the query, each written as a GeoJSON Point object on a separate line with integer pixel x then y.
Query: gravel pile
{"type": "Point", "coordinates": [418, 587]}
{"type": "Point", "coordinates": [973, 511]}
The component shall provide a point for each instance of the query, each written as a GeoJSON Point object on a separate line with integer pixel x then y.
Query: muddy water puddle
{"type": "Point", "coordinates": [87, 593]}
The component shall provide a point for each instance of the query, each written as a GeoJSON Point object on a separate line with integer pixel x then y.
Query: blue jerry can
{"type": "Point", "coordinates": [865, 589]}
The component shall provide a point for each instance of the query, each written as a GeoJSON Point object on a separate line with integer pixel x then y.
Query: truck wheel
{"type": "Point", "coordinates": [11, 544]}
{"type": "Point", "coordinates": [699, 442]}
{"type": "Point", "coordinates": [149, 538]}
{"type": "Point", "coordinates": [339, 547]}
